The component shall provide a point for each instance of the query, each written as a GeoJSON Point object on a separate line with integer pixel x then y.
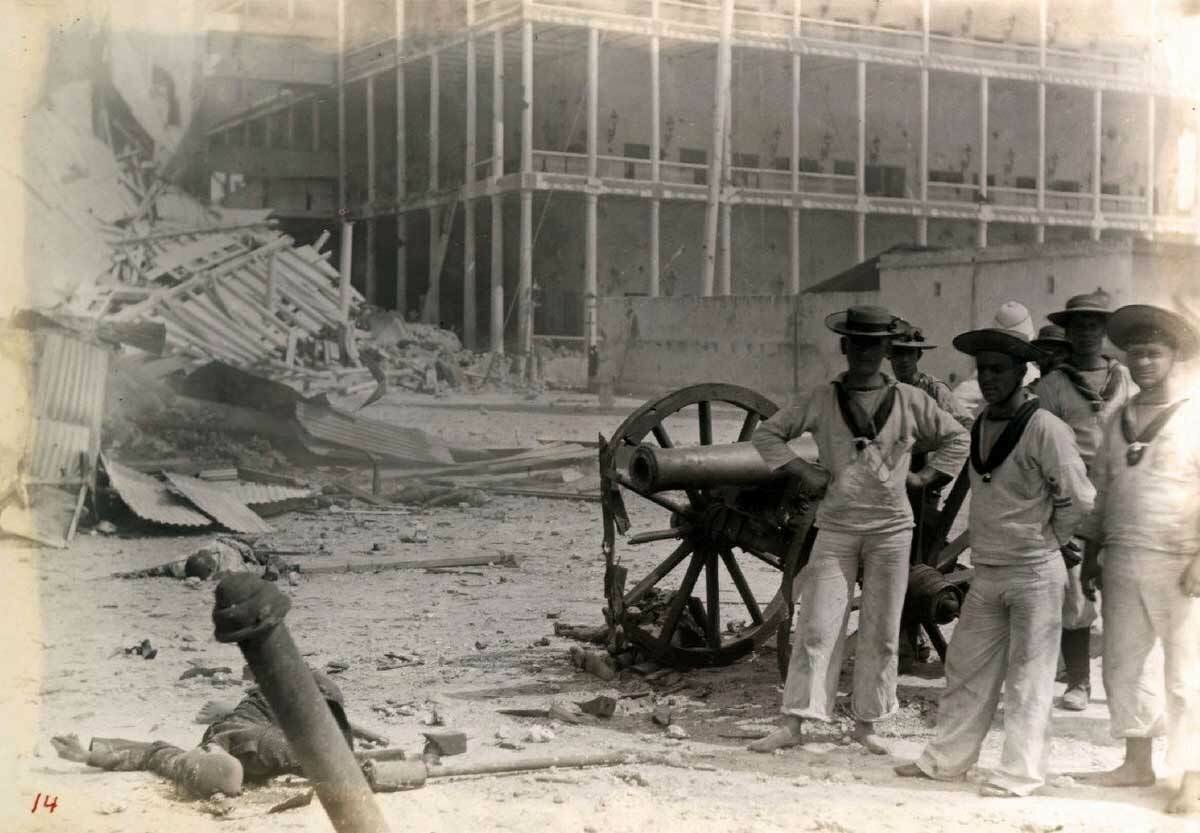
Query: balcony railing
{"type": "Point", "coordinates": [775, 180]}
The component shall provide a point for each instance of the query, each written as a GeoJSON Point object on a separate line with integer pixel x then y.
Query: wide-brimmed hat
{"type": "Point", "coordinates": [1013, 317]}
{"type": "Point", "coordinates": [870, 321]}
{"type": "Point", "coordinates": [1172, 327]}
{"type": "Point", "coordinates": [994, 340]}
{"type": "Point", "coordinates": [914, 340]}
{"type": "Point", "coordinates": [1093, 303]}
{"type": "Point", "coordinates": [1050, 336]}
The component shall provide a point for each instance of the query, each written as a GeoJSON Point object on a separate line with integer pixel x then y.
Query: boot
{"type": "Point", "coordinates": [1076, 656]}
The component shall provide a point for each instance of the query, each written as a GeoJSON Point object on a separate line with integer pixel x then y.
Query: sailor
{"type": "Point", "coordinates": [1029, 491]}
{"type": "Point", "coordinates": [1147, 522]}
{"type": "Point", "coordinates": [865, 425]}
{"type": "Point", "coordinates": [1084, 392]}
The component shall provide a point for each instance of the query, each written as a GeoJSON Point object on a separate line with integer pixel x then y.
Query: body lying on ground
{"type": "Point", "coordinates": [245, 745]}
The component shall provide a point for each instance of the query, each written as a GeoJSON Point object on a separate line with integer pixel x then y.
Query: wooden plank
{"type": "Point", "coordinates": [496, 560]}
{"type": "Point", "coordinates": [196, 283]}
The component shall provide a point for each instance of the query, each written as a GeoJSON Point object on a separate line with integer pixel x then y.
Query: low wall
{"type": "Point", "coordinates": [772, 344]}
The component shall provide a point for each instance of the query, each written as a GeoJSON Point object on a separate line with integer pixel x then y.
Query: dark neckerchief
{"type": "Point", "coordinates": [856, 418]}
{"type": "Point", "coordinates": [1137, 445]}
{"type": "Point", "coordinates": [1094, 398]}
{"type": "Point", "coordinates": [1004, 444]}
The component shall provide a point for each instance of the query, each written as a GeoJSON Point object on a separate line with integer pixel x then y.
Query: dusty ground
{"type": "Point", "coordinates": [475, 632]}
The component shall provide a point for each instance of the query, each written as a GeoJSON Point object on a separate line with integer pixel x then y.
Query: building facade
{"type": "Point", "coordinates": [503, 163]}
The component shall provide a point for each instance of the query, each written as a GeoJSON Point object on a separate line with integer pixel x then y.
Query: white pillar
{"type": "Point", "coordinates": [371, 288]}
{"type": "Point", "coordinates": [1097, 151]}
{"type": "Point", "coordinates": [983, 136]}
{"type": "Point", "coordinates": [525, 275]}
{"type": "Point", "coordinates": [860, 236]}
{"type": "Point", "coordinates": [435, 96]}
{"type": "Point", "coordinates": [793, 212]}
{"type": "Point", "coordinates": [655, 155]}
{"type": "Point", "coordinates": [496, 325]}
{"type": "Point", "coordinates": [1041, 128]}
{"type": "Point", "coordinates": [341, 108]}
{"type": "Point", "coordinates": [1150, 160]}
{"type": "Point", "coordinates": [725, 275]}
{"type": "Point", "coordinates": [468, 309]}
{"type": "Point", "coordinates": [591, 201]}
{"type": "Point", "coordinates": [347, 251]}
{"type": "Point", "coordinates": [401, 170]}
{"type": "Point", "coordinates": [721, 96]}
{"type": "Point", "coordinates": [861, 99]}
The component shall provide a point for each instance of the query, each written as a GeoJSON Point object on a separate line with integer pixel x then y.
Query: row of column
{"type": "Point", "coordinates": [719, 209]}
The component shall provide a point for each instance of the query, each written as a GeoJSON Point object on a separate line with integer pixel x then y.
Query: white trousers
{"type": "Point", "coordinates": [1144, 608]}
{"type": "Point", "coordinates": [823, 612]}
{"type": "Point", "coordinates": [1007, 638]}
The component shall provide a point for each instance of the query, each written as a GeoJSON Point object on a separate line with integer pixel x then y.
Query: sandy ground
{"type": "Point", "coordinates": [475, 633]}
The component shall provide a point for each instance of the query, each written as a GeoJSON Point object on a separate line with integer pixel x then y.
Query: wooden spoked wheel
{"type": "Point", "coordinates": [703, 574]}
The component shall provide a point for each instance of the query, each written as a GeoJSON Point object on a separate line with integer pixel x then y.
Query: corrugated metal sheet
{"type": "Point", "coordinates": [69, 392]}
{"type": "Point", "coordinates": [407, 445]}
{"type": "Point", "coordinates": [255, 494]}
{"type": "Point", "coordinates": [150, 499]}
{"type": "Point", "coordinates": [226, 510]}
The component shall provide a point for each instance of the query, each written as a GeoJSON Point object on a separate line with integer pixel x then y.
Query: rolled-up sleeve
{"type": "Point", "coordinates": [771, 438]}
{"type": "Point", "coordinates": [947, 441]}
{"type": "Point", "coordinates": [1066, 477]}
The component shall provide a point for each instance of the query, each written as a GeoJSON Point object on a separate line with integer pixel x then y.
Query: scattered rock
{"type": "Point", "coordinates": [677, 732]}
{"type": "Point", "coordinates": [296, 801]}
{"type": "Point", "coordinates": [541, 643]}
{"type": "Point", "coordinates": [110, 808]}
{"type": "Point", "coordinates": [145, 650]}
{"type": "Point", "coordinates": [432, 718]}
{"type": "Point", "coordinates": [445, 743]}
{"type": "Point", "coordinates": [634, 778]}
{"type": "Point", "coordinates": [192, 581]}
{"type": "Point", "coordinates": [662, 714]}
{"type": "Point", "coordinates": [508, 744]}
{"type": "Point", "coordinates": [564, 714]}
{"type": "Point", "coordinates": [205, 671]}
{"type": "Point", "coordinates": [336, 666]}
{"type": "Point", "coordinates": [599, 706]}
{"type": "Point", "coordinates": [479, 646]}
{"type": "Point", "coordinates": [106, 528]}
{"type": "Point", "coordinates": [1062, 781]}
{"type": "Point", "coordinates": [539, 734]}
{"type": "Point", "coordinates": [294, 578]}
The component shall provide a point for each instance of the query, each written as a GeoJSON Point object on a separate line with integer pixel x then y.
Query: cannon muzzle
{"type": "Point", "coordinates": [655, 469]}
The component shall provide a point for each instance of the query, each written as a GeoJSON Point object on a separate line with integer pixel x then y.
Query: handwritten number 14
{"type": "Point", "coordinates": [48, 802]}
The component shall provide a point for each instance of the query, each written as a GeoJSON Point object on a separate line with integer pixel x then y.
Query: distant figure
{"type": "Point", "coordinates": [1052, 341]}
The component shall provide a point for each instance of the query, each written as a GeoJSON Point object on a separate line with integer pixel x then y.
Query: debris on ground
{"type": "Point", "coordinates": [144, 650]}
{"type": "Point", "coordinates": [445, 743]}
{"type": "Point", "coordinates": [600, 706]}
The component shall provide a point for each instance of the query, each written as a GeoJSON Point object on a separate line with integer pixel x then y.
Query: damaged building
{"type": "Point", "coordinates": [500, 165]}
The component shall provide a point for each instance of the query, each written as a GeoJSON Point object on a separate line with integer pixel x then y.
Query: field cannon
{"type": "Point", "coordinates": [687, 457]}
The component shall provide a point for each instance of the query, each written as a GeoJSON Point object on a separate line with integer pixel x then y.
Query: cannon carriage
{"type": "Point", "coordinates": [727, 511]}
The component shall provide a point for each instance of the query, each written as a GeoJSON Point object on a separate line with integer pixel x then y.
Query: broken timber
{"type": "Point", "coordinates": [498, 560]}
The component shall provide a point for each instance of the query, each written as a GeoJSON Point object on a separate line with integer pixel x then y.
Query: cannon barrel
{"type": "Point", "coordinates": [655, 469]}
